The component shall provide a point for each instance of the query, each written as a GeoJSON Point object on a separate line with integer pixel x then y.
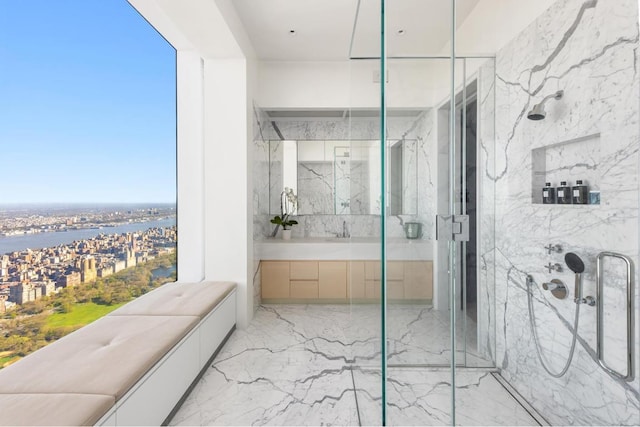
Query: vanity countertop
{"type": "Point", "coordinates": [335, 248]}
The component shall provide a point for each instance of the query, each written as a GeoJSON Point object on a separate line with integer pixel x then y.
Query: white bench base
{"type": "Point", "coordinates": [159, 393]}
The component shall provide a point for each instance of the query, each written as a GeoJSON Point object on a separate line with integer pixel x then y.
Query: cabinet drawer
{"type": "Point", "coordinates": [304, 289]}
{"type": "Point", "coordinates": [372, 289]}
{"type": "Point", "coordinates": [275, 279]}
{"type": "Point", "coordinates": [395, 270]}
{"type": "Point", "coordinates": [333, 279]}
{"type": "Point", "coordinates": [372, 270]}
{"type": "Point", "coordinates": [395, 289]}
{"type": "Point", "coordinates": [355, 280]}
{"type": "Point", "coordinates": [418, 280]}
{"type": "Point", "coordinates": [304, 270]}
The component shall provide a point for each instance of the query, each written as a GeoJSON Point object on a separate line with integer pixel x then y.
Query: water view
{"type": "Point", "coordinates": [52, 239]}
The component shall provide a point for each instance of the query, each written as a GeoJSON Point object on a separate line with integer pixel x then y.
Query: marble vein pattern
{"type": "Point", "coordinates": [319, 180]}
{"type": "Point", "coordinates": [486, 302]}
{"type": "Point", "coordinates": [416, 335]}
{"type": "Point", "coordinates": [261, 175]}
{"type": "Point", "coordinates": [307, 364]}
{"type": "Point", "coordinates": [423, 397]}
{"type": "Point", "coordinates": [261, 170]}
{"type": "Point", "coordinates": [589, 49]}
{"type": "Point", "coordinates": [257, 284]}
{"type": "Point", "coordinates": [287, 368]}
{"type": "Point", "coordinates": [410, 177]}
{"type": "Point", "coordinates": [316, 188]}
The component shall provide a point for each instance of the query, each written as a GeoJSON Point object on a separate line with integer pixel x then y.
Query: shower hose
{"type": "Point", "coordinates": [532, 324]}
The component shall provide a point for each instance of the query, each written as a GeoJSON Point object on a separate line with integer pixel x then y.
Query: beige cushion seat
{"type": "Point", "coordinates": [57, 409]}
{"type": "Point", "coordinates": [178, 299]}
{"type": "Point", "coordinates": [79, 378]}
{"type": "Point", "coordinates": [106, 357]}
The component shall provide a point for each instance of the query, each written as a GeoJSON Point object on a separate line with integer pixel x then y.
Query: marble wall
{"type": "Point", "coordinates": [260, 159]}
{"type": "Point", "coordinates": [485, 134]}
{"type": "Point", "coordinates": [416, 130]}
{"type": "Point", "coordinates": [589, 49]}
{"type": "Point", "coordinates": [333, 187]}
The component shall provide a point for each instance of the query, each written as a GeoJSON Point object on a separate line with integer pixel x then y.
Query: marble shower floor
{"type": "Point", "coordinates": [316, 365]}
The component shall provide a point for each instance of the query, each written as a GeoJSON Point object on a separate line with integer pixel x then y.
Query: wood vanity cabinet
{"type": "Point", "coordinates": [333, 279]}
{"type": "Point", "coordinates": [415, 273]}
{"type": "Point", "coordinates": [275, 279]}
{"type": "Point", "coordinates": [303, 279]}
{"type": "Point", "coordinates": [342, 281]}
{"type": "Point", "coordinates": [356, 279]}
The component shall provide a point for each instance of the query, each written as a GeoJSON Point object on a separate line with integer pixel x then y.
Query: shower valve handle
{"type": "Point", "coordinates": [553, 267]}
{"type": "Point", "coordinates": [553, 248]}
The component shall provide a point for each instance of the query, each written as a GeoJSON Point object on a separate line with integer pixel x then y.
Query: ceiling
{"type": "Point", "coordinates": [323, 29]}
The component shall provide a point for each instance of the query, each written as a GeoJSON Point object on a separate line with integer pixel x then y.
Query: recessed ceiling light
{"type": "Point", "coordinates": [400, 32]}
{"type": "Point", "coordinates": [292, 32]}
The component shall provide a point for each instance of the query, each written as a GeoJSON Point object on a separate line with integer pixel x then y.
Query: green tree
{"type": "Point", "coordinates": [23, 330]}
{"type": "Point", "coordinates": [67, 303]}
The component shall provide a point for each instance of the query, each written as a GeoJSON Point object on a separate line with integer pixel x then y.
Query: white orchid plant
{"type": "Point", "coordinates": [288, 206]}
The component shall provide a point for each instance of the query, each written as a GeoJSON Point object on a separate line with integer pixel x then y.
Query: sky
{"type": "Point", "coordinates": [87, 104]}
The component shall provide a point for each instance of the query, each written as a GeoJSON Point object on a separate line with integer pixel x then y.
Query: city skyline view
{"type": "Point", "coordinates": [88, 212]}
{"type": "Point", "coordinates": [87, 105]}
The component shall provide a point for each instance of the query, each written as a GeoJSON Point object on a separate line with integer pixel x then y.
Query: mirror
{"type": "Point", "coordinates": [343, 177]}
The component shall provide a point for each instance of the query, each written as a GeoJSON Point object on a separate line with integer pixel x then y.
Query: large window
{"type": "Point", "coordinates": [88, 149]}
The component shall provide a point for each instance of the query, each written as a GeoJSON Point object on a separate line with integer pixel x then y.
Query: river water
{"type": "Point", "coordinates": [162, 272]}
{"type": "Point", "coordinates": [47, 240]}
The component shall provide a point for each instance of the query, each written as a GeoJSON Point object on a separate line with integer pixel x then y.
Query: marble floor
{"type": "Point", "coordinates": [318, 365]}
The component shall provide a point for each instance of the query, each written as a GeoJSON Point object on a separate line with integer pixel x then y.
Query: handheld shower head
{"type": "Point", "coordinates": [574, 263]}
{"type": "Point", "coordinates": [537, 112]}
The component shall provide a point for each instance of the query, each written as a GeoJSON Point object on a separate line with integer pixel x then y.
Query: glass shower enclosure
{"type": "Point", "coordinates": [434, 312]}
{"type": "Point", "coordinates": [460, 304]}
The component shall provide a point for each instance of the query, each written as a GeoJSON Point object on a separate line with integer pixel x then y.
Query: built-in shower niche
{"type": "Point", "coordinates": [571, 160]}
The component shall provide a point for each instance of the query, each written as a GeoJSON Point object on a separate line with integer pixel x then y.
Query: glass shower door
{"type": "Point", "coordinates": [438, 304]}
{"type": "Point", "coordinates": [420, 257]}
{"type": "Point", "coordinates": [413, 105]}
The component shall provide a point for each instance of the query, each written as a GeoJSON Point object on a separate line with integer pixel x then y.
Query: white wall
{"type": "Point", "coordinates": [344, 84]}
{"type": "Point", "coordinates": [216, 81]}
{"type": "Point", "coordinates": [190, 159]}
{"type": "Point", "coordinates": [228, 179]}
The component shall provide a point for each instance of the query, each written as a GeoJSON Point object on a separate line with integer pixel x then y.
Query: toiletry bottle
{"type": "Point", "coordinates": [580, 193]}
{"type": "Point", "coordinates": [548, 194]}
{"type": "Point", "coordinates": [563, 194]}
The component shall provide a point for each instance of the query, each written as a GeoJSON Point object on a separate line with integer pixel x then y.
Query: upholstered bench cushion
{"type": "Point", "coordinates": [53, 409]}
{"type": "Point", "coordinates": [178, 299]}
{"type": "Point", "coordinates": [106, 357]}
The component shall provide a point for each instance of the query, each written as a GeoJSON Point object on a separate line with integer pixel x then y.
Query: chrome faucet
{"type": "Point", "coordinates": [345, 232]}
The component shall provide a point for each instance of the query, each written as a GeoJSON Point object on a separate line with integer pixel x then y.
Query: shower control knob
{"type": "Point", "coordinates": [553, 248]}
{"type": "Point", "coordinates": [553, 267]}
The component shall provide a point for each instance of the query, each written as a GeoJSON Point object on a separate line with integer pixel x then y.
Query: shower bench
{"type": "Point", "coordinates": [131, 367]}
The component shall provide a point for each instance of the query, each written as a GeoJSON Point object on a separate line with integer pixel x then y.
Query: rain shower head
{"type": "Point", "coordinates": [537, 112]}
